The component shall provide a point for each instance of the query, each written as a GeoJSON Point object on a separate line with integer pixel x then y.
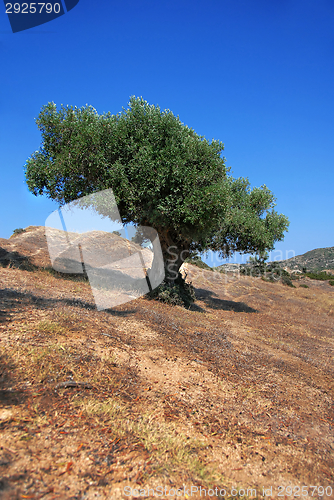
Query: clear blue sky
{"type": "Point", "coordinates": [257, 75]}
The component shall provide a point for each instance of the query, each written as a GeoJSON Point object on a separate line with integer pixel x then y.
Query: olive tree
{"type": "Point", "coordinates": [162, 173]}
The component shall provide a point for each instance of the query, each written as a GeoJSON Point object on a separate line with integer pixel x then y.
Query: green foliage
{"type": "Point", "coordinates": [258, 266]}
{"type": "Point", "coordinates": [271, 272]}
{"type": "Point", "coordinates": [18, 231]}
{"type": "Point", "coordinates": [319, 276]}
{"type": "Point", "coordinates": [270, 278]}
{"type": "Point", "coordinates": [331, 282]}
{"type": "Point", "coordinates": [259, 260]}
{"type": "Point", "coordinates": [162, 174]}
{"type": "Point", "coordinates": [304, 286]}
{"type": "Point", "coordinates": [117, 233]}
{"type": "Point", "coordinates": [273, 265]}
{"type": "Point", "coordinates": [179, 292]}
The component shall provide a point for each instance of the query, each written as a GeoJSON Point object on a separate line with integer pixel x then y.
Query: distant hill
{"type": "Point", "coordinates": [319, 259]}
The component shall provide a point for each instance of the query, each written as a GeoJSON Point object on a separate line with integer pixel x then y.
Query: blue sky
{"type": "Point", "coordinates": [257, 75]}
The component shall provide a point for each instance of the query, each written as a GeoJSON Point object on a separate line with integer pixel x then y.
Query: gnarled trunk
{"type": "Point", "coordinates": [173, 289]}
{"type": "Point", "coordinates": [174, 253]}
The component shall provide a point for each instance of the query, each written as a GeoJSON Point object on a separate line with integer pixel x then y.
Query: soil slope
{"type": "Point", "coordinates": [236, 392]}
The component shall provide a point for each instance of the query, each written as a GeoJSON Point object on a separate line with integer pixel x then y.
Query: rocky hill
{"type": "Point", "coordinates": [29, 249]}
{"type": "Point", "coordinates": [319, 259]}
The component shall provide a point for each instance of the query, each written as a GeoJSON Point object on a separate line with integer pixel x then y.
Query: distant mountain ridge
{"type": "Point", "coordinates": [319, 259]}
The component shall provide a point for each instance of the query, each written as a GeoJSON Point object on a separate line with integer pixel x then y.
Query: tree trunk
{"type": "Point", "coordinates": [174, 253]}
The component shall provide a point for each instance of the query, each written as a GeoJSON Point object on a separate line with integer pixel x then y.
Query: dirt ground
{"type": "Point", "coordinates": [233, 397]}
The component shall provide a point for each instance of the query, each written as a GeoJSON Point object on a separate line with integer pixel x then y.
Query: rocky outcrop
{"type": "Point", "coordinates": [29, 250]}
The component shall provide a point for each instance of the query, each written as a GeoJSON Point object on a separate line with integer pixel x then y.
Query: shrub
{"type": "Point", "coordinates": [18, 231]}
{"type": "Point", "coordinates": [273, 266]}
{"type": "Point", "coordinates": [219, 270]}
{"type": "Point", "coordinates": [319, 276]}
{"type": "Point", "coordinates": [331, 282]}
{"type": "Point", "coordinates": [287, 281]}
{"type": "Point", "coordinates": [272, 277]}
{"type": "Point", "coordinates": [200, 263]}
{"type": "Point", "coordinates": [253, 270]}
{"type": "Point", "coordinates": [304, 286]}
{"type": "Point", "coordinates": [179, 292]}
{"type": "Point", "coordinates": [270, 272]}
{"type": "Point", "coordinates": [196, 260]}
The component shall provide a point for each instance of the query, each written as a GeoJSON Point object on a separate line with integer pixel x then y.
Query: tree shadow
{"type": "Point", "coordinates": [208, 297]}
{"type": "Point", "coordinates": [195, 307]}
{"type": "Point", "coordinates": [4, 316]}
{"type": "Point", "coordinates": [108, 280]}
{"type": "Point", "coordinates": [13, 300]}
{"type": "Point", "coordinates": [14, 259]}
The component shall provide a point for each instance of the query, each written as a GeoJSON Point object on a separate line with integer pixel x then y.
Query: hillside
{"type": "Point", "coordinates": [320, 259]}
{"type": "Point", "coordinates": [236, 392]}
{"type": "Point", "coordinates": [29, 249]}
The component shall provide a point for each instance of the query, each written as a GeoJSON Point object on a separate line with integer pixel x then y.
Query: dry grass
{"type": "Point", "coordinates": [160, 439]}
{"type": "Point", "coordinates": [238, 391]}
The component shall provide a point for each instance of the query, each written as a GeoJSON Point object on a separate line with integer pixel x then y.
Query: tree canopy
{"type": "Point", "coordinates": [162, 173]}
